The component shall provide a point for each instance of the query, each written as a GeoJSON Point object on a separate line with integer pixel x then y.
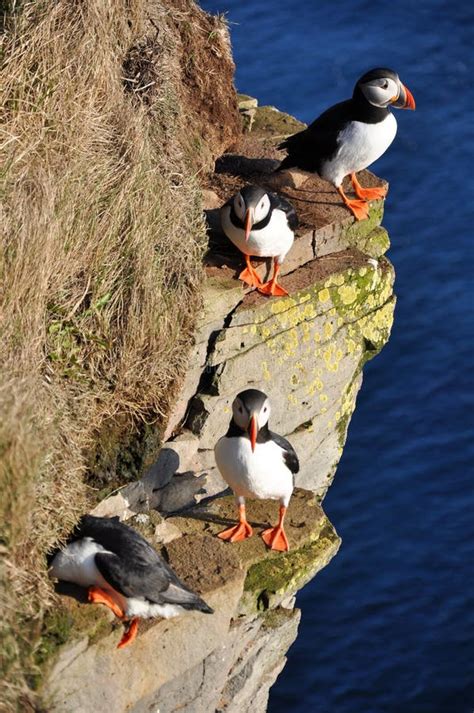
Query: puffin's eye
{"type": "Point", "coordinates": [240, 409]}
{"type": "Point", "coordinates": [265, 410]}
{"type": "Point", "coordinates": [385, 85]}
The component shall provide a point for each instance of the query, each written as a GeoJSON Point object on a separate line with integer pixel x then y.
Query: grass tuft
{"type": "Point", "coordinates": [100, 261]}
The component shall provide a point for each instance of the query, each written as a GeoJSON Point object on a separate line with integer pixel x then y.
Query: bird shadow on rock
{"type": "Point", "coordinates": [200, 513]}
{"type": "Point", "coordinates": [245, 167]}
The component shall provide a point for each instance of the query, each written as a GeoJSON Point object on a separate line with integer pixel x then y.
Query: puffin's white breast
{"type": "Point", "coordinates": [76, 563]}
{"type": "Point", "coordinates": [274, 240]}
{"type": "Point", "coordinates": [259, 474]}
{"type": "Point", "coordinates": [360, 145]}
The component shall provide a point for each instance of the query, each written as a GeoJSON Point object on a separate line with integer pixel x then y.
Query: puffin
{"type": "Point", "coordinates": [351, 135]}
{"type": "Point", "coordinates": [123, 571]}
{"type": "Point", "coordinates": [260, 223]}
{"type": "Point", "coordinates": [256, 463]}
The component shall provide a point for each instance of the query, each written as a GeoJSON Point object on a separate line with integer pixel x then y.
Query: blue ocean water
{"type": "Point", "coordinates": [388, 626]}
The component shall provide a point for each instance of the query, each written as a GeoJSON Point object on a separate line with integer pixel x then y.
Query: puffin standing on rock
{"type": "Point", "coordinates": [351, 135]}
{"type": "Point", "coordinates": [260, 223]}
{"type": "Point", "coordinates": [124, 572]}
{"type": "Point", "coordinates": [256, 463]}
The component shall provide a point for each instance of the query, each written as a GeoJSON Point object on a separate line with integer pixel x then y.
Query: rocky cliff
{"type": "Point", "coordinates": [307, 352]}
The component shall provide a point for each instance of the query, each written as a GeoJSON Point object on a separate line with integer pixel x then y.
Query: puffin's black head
{"type": "Point", "coordinates": [382, 87]}
{"type": "Point", "coordinates": [251, 410]}
{"type": "Point", "coordinates": [252, 204]}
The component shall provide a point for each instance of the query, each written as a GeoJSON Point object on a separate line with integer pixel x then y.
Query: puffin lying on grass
{"type": "Point", "coordinates": [124, 572]}
{"type": "Point", "coordinates": [260, 223]}
{"type": "Point", "coordinates": [351, 135]}
{"type": "Point", "coordinates": [256, 463]}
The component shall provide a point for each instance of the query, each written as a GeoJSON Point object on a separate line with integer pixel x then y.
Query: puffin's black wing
{"type": "Point", "coordinates": [319, 142]}
{"type": "Point", "coordinates": [280, 203]}
{"type": "Point", "coordinates": [133, 567]}
{"type": "Point", "coordinates": [289, 454]}
{"type": "Point", "coordinates": [154, 580]}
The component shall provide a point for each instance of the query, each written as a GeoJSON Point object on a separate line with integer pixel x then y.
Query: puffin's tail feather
{"type": "Point", "coordinates": [186, 599]}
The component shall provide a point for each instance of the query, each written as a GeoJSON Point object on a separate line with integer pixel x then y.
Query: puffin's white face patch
{"type": "Point", "coordinates": [262, 208]}
{"type": "Point", "coordinates": [239, 206]}
{"type": "Point", "coordinates": [381, 92]}
{"type": "Point", "coordinates": [264, 414]}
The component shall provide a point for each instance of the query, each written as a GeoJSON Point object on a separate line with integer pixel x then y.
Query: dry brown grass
{"type": "Point", "coordinates": [100, 264]}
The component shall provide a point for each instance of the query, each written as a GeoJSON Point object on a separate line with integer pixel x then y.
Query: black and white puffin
{"type": "Point", "coordinates": [256, 463]}
{"type": "Point", "coordinates": [260, 223]}
{"type": "Point", "coordinates": [123, 571]}
{"type": "Point", "coordinates": [351, 135]}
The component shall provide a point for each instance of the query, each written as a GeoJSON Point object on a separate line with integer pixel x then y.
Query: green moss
{"type": "Point", "coordinates": [62, 623]}
{"type": "Point", "coordinates": [57, 626]}
{"type": "Point", "coordinates": [288, 572]}
{"type": "Point", "coordinates": [358, 231]}
{"type": "Point", "coordinates": [271, 121]}
{"type": "Point", "coordinates": [274, 618]}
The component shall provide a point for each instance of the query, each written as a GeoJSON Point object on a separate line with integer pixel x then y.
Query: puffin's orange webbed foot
{"type": "Point", "coordinates": [237, 533]}
{"type": "Point", "coordinates": [130, 634]}
{"type": "Point", "coordinates": [372, 194]}
{"type": "Point", "coordinates": [360, 209]}
{"type": "Point", "coordinates": [98, 596]}
{"type": "Point", "coordinates": [276, 539]}
{"type": "Point", "coordinates": [368, 194]}
{"type": "Point", "coordinates": [250, 277]}
{"type": "Point", "coordinates": [273, 289]}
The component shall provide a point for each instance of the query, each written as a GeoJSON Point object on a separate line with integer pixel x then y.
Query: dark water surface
{"type": "Point", "coordinates": [388, 626]}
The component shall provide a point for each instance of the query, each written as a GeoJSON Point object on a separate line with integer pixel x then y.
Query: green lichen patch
{"type": "Point", "coordinates": [376, 243]}
{"type": "Point", "coordinates": [270, 580]}
{"type": "Point", "coordinates": [356, 233]}
{"type": "Point", "coordinates": [269, 120]}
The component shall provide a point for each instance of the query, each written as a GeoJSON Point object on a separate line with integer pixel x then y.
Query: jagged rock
{"type": "Point", "coordinates": [310, 348]}
{"type": "Point", "coordinates": [246, 102]}
{"type": "Point", "coordinates": [124, 504]}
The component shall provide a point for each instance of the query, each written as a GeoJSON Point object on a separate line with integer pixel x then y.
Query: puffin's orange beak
{"type": "Point", "coordinates": [248, 222]}
{"type": "Point", "coordinates": [253, 430]}
{"type": "Point", "coordinates": [405, 99]}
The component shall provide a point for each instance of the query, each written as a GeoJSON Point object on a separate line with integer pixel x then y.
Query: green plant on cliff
{"type": "Point", "coordinates": [100, 259]}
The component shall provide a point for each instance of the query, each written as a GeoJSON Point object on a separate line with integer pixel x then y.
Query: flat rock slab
{"type": "Point", "coordinates": [271, 576]}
